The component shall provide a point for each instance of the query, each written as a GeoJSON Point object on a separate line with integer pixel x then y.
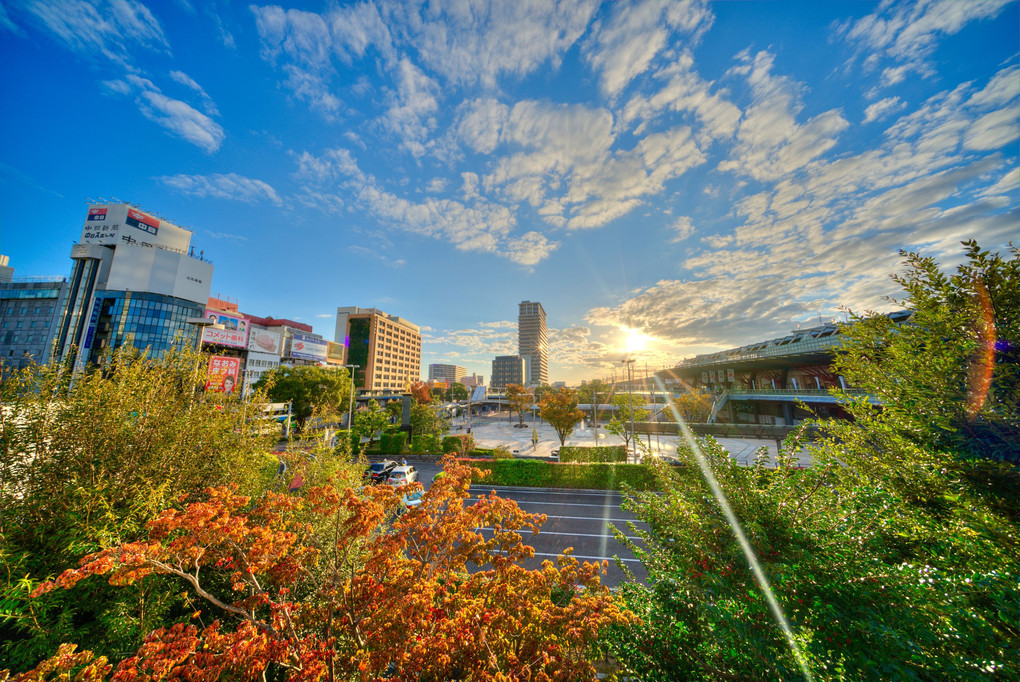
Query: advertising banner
{"type": "Point", "coordinates": [335, 353]}
{"type": "Point", "coordinates": [233, 334]}
{"type": "Point", "coordinates": [711, 375]}
{"type": "Point", "coordinates": [730, 376]}
{"type": "Point", "coordinates": [704, 377]}
{"type": "Point", "coordinates": [264, 341]}
{"type": "Point", "coordinates": [223, 376]}
{"type": "Point", "coordinates": [116, 224]}
{"type": "Point", "coordinates": [306, 347]}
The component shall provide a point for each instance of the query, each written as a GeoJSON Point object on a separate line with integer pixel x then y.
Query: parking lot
{"type": "Point", "coordinates": [575, 518]}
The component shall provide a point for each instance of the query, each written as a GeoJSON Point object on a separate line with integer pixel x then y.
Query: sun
{"type": "Point", "coordinates": [635, 340]}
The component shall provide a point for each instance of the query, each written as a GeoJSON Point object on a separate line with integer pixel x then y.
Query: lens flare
{"type": "Point", "coordinates": [738, 532]}
{"type": "Point", "coordinates": [979, 370]}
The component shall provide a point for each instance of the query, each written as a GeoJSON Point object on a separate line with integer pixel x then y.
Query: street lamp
{"type": "Point", "coordinates": [201, 323]}
{"type": "Point", "coordinates": [630, 389]}
{"type": "Point", "coordinates": [350, 408]}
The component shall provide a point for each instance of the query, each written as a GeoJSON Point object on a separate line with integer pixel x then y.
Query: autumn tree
{"type": "Point", "coordinates": [309, 389]}
{"type": "Point", "coordinates": [332, 585]}
{"type": "Point", "coordinates": [694, 405]}
{"type": "Point", "coordinates": [87, 459]}
{"type": "Point", "coordinates": [421, 393]}
{"type": "Point", "coordinates": [559, 409]}
{"type": "Point", "coordinates": [520, 399]}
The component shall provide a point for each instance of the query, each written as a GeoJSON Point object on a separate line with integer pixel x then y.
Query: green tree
{"type": "Point", "coordinates": [309, 389]}
{"type": "Point", "coordinates": [457, 391]}
{"type": "Point", "coordinates": [395, 410]}
{"type": "Point", "coordinates": [86, 461]}
{"type": "Point", "coordinates": [888, 556]}
{"type": "Point", "coordinates": [559, 409]}
{"type": "Point", "coordinates": [619, 425]}
{"type": "Point", "coordinates": [426, 420]}
{"type": "Point", "coordinates": [370, 421]}
{"type": "Point", "coordinates": [520, 399]}
{"type": "Point", "coordinates": [595, 393]}
{"type": "Point", "coordinates": [950, 375]}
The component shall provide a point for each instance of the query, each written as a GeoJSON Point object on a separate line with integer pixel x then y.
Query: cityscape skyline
{"type": "Point", "coordinates": [668, 179]}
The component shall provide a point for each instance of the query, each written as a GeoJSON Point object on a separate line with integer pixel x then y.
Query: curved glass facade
{"type": "Point", "coordinates": [151, 322]}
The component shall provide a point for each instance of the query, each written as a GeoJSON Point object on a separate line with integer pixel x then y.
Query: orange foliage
{"type": "Point", "coordinates": [438, 592]}
{"type": "Point", "coordinates": [421, 393]}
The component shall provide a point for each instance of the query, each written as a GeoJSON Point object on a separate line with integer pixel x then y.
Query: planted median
{"type": "Point", "coordinates": [539, 474]}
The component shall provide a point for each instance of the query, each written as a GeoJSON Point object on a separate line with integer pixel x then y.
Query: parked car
{"type": "Point", "coordinates": [402, 476]}
{"type": "Point", "coordinates": [380, 471]}
{"type": "Point", "coordinates": [411, 500]}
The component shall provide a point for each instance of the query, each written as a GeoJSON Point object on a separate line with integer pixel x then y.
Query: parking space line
{"type": "Point", "coordinates": [580, 535]}
{"type": "Point", "coordinates": [592, 558]}
{"type": "Point", "coordinates": [594, 518]}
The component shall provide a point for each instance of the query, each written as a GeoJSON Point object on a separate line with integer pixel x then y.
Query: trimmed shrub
{"type": "Point", "coordinates": [502, 453]}
{"type": "Point", "coordinates": [451, 444]}
{"type": "Point", "coordinates": [596, 476]}
{"type": "Point", "coordinates": [602, 453]}
{"type": "Point", "coordinates": [393, 443]}
{"type": "Point", "coordinates": [426, 444]}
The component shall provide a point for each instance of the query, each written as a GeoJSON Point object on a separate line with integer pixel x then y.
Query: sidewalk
{"type": "Point", "coordinates": [491, 432]}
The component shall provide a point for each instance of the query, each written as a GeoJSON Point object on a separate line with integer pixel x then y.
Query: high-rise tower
{"type": "Point", "coordinates": [532, 342]}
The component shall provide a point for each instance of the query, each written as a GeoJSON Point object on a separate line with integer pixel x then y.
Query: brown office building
{"type": "Point", "coordinates": [386, 348]}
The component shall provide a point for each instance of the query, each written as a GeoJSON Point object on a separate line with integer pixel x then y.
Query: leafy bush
{"type": "Point", "coordinates": [597, 476]}
{"type": "Point", "coordinates": [460, 443]}
{"type": "Point", "coordinates": [602, 453]}
{"type": "Point", "coordinates": [393, 443]}
{"type": "Point", "coordinates": [501, 453]}
{"type": "Point", "coordinates": [426, 443]}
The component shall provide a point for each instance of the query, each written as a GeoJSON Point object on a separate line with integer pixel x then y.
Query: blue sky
{"type": "Point", "coordinates": [681, 177]}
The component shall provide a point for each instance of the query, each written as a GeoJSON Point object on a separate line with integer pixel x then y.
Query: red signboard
{"type": "Point", "coordinates": [223, 375]}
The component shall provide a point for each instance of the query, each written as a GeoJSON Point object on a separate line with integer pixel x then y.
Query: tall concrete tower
{"type": "Point", "coordinates": [532, 341]}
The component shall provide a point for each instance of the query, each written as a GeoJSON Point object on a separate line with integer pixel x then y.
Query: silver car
{"type": "Point", "coordinates": [402, 476]}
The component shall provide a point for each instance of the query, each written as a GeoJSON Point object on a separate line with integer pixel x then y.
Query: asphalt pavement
{"type": "Point", "coordinates": [580, 519]}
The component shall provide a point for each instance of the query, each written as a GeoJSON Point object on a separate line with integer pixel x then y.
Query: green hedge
{"type": "Point", "coordinates": [539, 474]}
{"type": "Point", "coordinates": [602, 453]}
{"type": "Point", "coordinates": [426, 444]}
{"type": "Point", "coordinates": [393, 443]}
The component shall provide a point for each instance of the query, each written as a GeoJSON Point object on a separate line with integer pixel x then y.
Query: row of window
{"type": "Point", "coordinates": [12, 309]}
{"type": "Point", "coordinates": [45, 324]}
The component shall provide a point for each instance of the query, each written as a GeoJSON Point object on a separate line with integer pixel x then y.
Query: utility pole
{"type": "Point", "coordinates": [350, 409]}
{"type": "Point", "coordinates": [630, 389]}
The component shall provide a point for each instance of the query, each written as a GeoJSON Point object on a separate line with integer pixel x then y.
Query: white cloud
{"type": "Point", "coordinates": [411, 107]}
{"type": "Point", "coordinates": [222, 186]}
{"type": "Point", "coordinates": [481, 124]}
{"type": "Point", "coordinates": [188, 82]}
{"type": "Point", "coordinates": [109, 30]}
{"type": "Point", "coordinates": [770, 143]}
{"type": "Point", "coordinates": [625, 43]}
{"type": "Point", "coordinates": [683, 227]}
{"type": "Point", "coordinates": [883, 107]}
{"type": "Point", "coordinates": [478, 42]}
{"type": "Point", "coordinates": [685, 91]}
{"type": "Point", "coordinates": [907, 33]}
{"type": "Point", "coordinates": [182, 119]}
{"type": "Point", "coordinates": [530, 248]}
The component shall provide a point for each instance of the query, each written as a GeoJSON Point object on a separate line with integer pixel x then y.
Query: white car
{"type": "Point", "coordinates": [402, 476]}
